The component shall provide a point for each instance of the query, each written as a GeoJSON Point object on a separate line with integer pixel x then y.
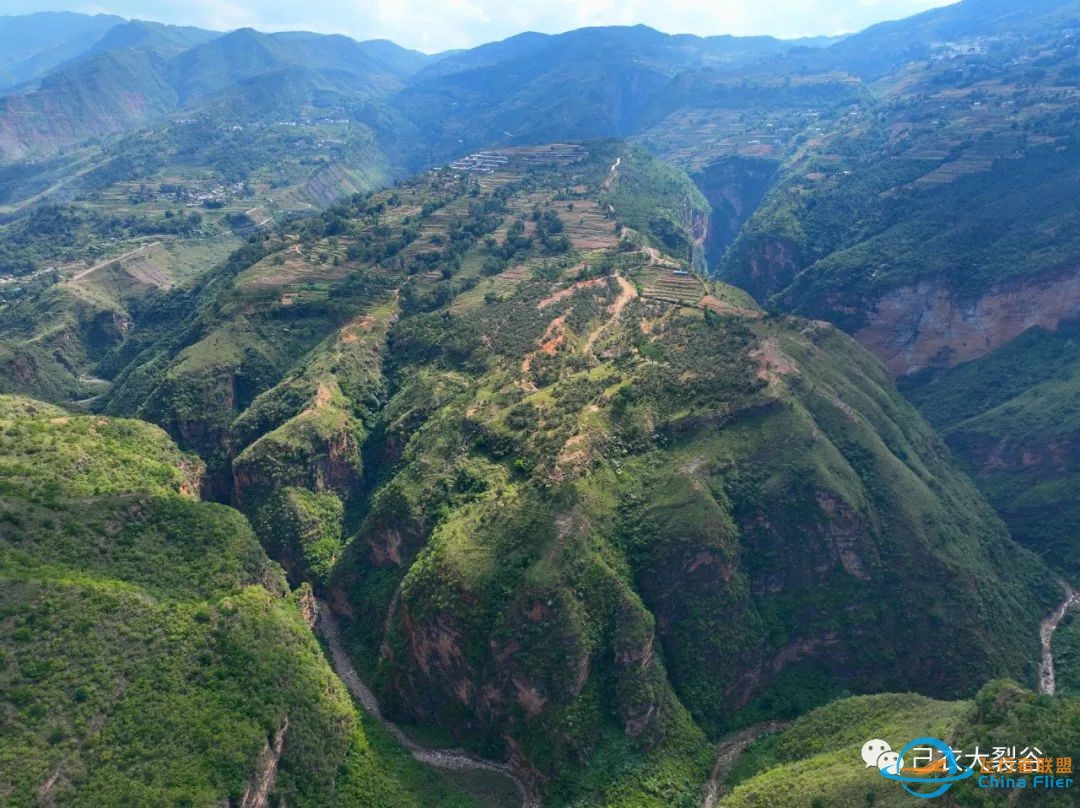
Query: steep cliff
{"type": "Point", "coordinates": [926, 325]}
{"type": "Point", "coordinates": [734, 187]}
{"type": "Point", "coordinates": [1011, 417]}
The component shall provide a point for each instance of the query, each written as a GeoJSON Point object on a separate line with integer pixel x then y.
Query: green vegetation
{"type": "Point", "coordinates": [149, 651]}
{"type": "Point", "coordinates": [954, 170]}
{"type": "Point", "coordinates": [816, 760]}
{"type": "Point", "coordinates": [594, 518]}
{"type": "Point", "coordinates": [1067, 655]}
{"type": "Point", "coordinates": [655, 198]}
{"type": "Point", "coordinates": [576, 505]}
{"type": "Point", "coordinates": [1012, 417]}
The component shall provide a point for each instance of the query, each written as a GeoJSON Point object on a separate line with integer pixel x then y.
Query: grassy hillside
{"type": "Point", "coordinates": [816, 760]}
{"type": "Point", "coordinates": [149, 651]}
{"type": "Point", "coordinates": [952, 167]}
{"type": "Point", "coordinates": [576, 506]}
{"type": "Point", "coordinates": [932, 219]}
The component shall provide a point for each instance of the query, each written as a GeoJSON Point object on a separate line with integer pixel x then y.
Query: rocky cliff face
{"type": "Point", "coordinates": [930, 325]}
{"type": "Point", "coordinates": [318, 449]}
{"type": "Point", "coordinates": [763, 264]}
{"type": "Point", "coordinates": [734, 187]}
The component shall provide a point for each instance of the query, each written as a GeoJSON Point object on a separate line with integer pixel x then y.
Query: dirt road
{"type": "Point", "coordinates": [456, 759]}
{"type": "Point", "coordinates": [103, 264]}
{"type": "Point", "coordinates": [627, 292]}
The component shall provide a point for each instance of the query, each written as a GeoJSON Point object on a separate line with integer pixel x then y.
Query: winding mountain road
{"type": "Point", "coordinates": [454, 759]}
{"type": "Point", "coordinates": [627, 292]}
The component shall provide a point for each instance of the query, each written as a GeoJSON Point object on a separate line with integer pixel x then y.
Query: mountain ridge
{"type": "Point", "coordinates": [613, 391]}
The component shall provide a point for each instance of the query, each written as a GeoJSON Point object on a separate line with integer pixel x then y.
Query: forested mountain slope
{"type": "Point", "coordinates": [550, 480]}
{"type": "Point", "coordinates": [150, 652]}
{"type": "Point", "coordinates": [593, 449]}
{"type": "Point", "coordinates": [934, 220]}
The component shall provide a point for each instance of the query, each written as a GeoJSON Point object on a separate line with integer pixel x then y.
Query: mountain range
{"type": "Point", "coordinates": [634, 419]}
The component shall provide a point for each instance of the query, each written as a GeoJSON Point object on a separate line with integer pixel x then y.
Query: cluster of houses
{"type": "Point", "coordinates": [481, 162]}
{"type": "Point", "coordinates": [216, 196]}
{"type": "Point", "coordinates": [305, 121]}
{"type": "Point", "coordinates": [486, 162]}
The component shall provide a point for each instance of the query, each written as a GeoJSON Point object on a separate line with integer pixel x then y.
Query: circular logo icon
{"type": "Point", "coordinates": [942, 773]}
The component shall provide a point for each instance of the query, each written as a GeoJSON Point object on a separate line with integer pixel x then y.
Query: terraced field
{"type": "Point", "coordinates": [498, 286]}
{"type": "Point", "coordinates": [668, 285]}
{"type": "Point", "coordinates": [979, 157]}
{"type": "Point", "coordinates": [290, 267]}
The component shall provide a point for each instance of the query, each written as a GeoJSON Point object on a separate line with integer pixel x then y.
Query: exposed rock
{"type": "Point", "coordinates": [770, 265]}
{"type": "Point", "coordinates": [930, 325]}
{"type": "Point", "coordinates": [309, 606]}
{"type": "Point", "coordinates": [734, 187]}
{"type": "Point", "coordinates": [261, 783]}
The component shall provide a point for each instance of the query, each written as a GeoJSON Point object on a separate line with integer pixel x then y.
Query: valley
{"type": "Point", "coordinates": [602, 418]}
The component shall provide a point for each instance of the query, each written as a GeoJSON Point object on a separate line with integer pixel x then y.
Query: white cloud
{"type": "Point", "coordinates": [434, 25]}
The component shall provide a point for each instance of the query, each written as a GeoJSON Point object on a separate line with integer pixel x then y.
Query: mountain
{"type": "Point", "coordinates": [672, 51]}
{"type": "Point", "coordinates": [33, 44]}
{"type": "Point", "coordinates": [879, 49]}
{"type": "Point", "coordinates": [136, 617]}
{"type": "Point", "coordinates": [164, 39]}
{"type": "Point", "coordinates": [649, 420]}
{"type": "Point", "coordinates": [140, 72]}
{"type": "Point", "coordinates": [962, 21]}
{"type": "Point", "coordinates": [1011, 416]}
{"type": "Point", "coordinates": [245, 55]}
{"type": "Point", "coordinates": [935, 226]}
{"type": "Point", "coordinates": [226, 61]}
{"type": "Point", "coordinates": [569, 501]}
{"type": "Point", "coordinates": [593, 82]}
{"type": "Point", "coordinates": [99, 95]}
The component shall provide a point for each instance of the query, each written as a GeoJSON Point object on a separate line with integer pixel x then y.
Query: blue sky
{"type": "Point", "coordinates": [434, 25]}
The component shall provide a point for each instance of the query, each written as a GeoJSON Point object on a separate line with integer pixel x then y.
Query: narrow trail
{"type": "Point", "coordinates": [627, 292]}
{"type": "Point", "coordinates": [103, 264]}
{"type": "Point", "coordinates": [454, 759]}
{"type": "Point", "coordinates": [727, 752]}
{"type": "Point", "coordinates": [1047, 684]}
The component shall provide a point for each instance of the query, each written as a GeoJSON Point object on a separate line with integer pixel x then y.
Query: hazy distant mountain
{"type": "Point", "coordinates": [245, 54]}
{"type": "Point", "coordinates": [877, 49]}
{"type": "Point", "coordinates": [139, 71]}
{"type": "Point", "coordinates": [593, 82]}
{"type": "Point", "coordinates": [164, 39]}
{"type": "Point", "coordinates": [33, 44]}
{"type": "Point", "coordinates": [101, 94]}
